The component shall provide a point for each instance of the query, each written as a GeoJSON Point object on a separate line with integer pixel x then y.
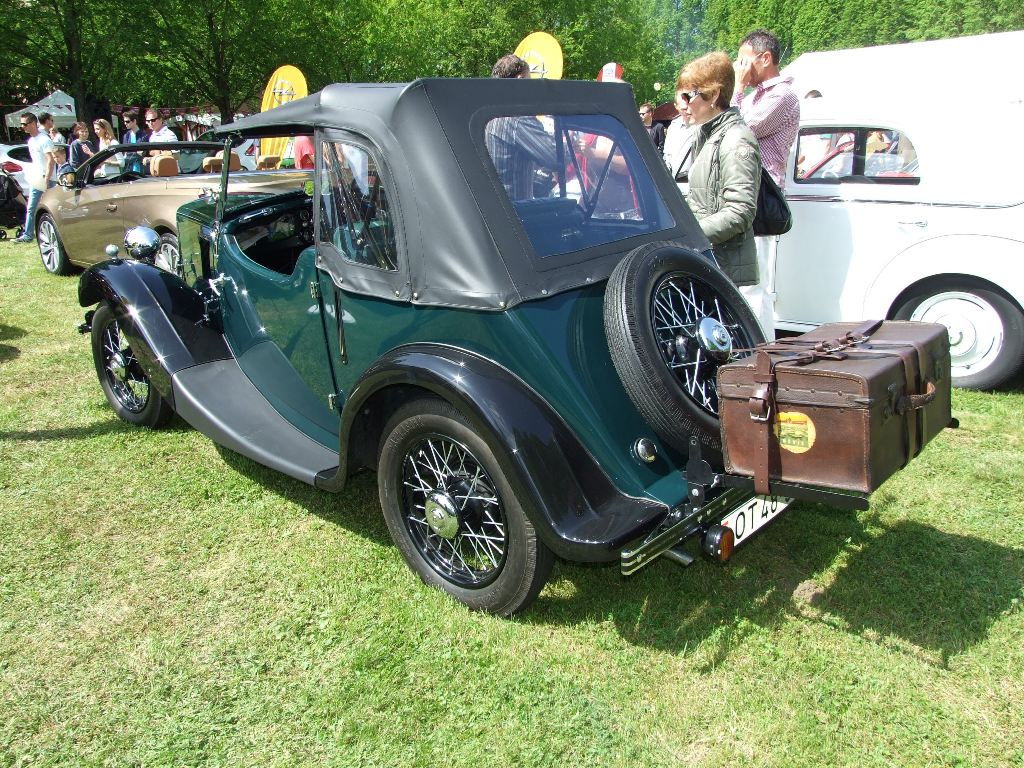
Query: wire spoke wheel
{"type": "Point", "coordinates": [129, 385]}
{"type": "Point", "coordinates": [452, 512]}
{"type": "Point", "coordinates": [125, 383]}
{"type": "Point", "coordinates": [696, 332]}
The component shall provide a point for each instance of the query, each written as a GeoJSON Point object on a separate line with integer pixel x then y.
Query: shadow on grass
{"type": "Point", "coordinates": [356, 509]}
{"type": "Point", "coordinates": [96, 429]}
{"type": "Point", "coordinates": [8, 333]}
{"type": "Point", "coordinates": [936, 591]}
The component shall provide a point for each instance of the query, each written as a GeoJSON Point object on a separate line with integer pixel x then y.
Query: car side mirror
{"type": "Point", "coordinates": [67, 180]}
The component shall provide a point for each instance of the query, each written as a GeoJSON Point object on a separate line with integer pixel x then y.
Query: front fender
{"type": "Point", "coordinates": [163, 319]}
{"type": "Point", "coordinates": [576, 509]}
{"type": "Point", "coordinates": [995, 260]}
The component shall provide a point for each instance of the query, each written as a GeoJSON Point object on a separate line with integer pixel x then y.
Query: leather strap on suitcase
{"type": "Point", "coordinates": [762, 405]}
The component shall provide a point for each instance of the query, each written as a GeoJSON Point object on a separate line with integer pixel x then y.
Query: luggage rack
{"type": "Point", "coordinates": [705, 507]}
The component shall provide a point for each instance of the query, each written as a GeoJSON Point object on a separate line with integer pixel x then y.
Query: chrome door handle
{"type": "Point", "coordinates": [914, 223]}
{"type": "Point", "coordinates": [111, 207]}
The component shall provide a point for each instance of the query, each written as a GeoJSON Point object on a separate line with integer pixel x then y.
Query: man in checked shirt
{"type": "Point", "coordinates": [772, 111]}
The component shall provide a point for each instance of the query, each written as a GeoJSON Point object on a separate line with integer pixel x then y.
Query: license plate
{"type": "Point", "coordinates": [753, 514]}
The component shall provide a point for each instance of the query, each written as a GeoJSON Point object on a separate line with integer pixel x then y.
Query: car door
{"type": "Point", "coordinates": [272, 312]}
{"type": "Point", "coordinates": [854, 195]}
{"type": "Point", "coordinates": [89, 217]}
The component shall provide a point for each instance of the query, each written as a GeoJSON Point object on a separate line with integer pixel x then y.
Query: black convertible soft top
{"type": "Point", "coordinates": [460, 240]}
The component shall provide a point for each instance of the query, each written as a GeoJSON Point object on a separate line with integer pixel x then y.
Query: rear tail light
{"type": "Point", "coordinates": [719, 542]}
{"type": "Point", "coordinates": [11, 167]}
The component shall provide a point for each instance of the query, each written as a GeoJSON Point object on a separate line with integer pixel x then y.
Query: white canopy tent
{"type": "Point", "coordinates": [58, 104]}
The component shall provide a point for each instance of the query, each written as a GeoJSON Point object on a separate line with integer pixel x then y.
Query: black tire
{"type": "Point", "coordinates": [51, 249]}
{"type": "Point", "coordinates": [167, 255]}
{"type": "Point", "coordinates": [986, 330]}
{"type": "Point", "coordinates": [480, 547]}
{"type": "Point", "coordinates": [125, 384]}
{"type": "Point", "coordinates": [672, 318]}
{"type": "Point", "coordinates": [3, 234]}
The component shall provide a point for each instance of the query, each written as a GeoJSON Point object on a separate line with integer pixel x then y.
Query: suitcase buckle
{"type": "Point", "coordinates": [760, 406]}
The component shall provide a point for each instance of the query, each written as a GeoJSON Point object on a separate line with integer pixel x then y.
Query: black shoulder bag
{"type": "Point", "coordinates": [773, 216]}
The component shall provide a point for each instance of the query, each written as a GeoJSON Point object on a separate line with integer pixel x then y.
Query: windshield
{"type": "Point", "coordinates": [575, 181]}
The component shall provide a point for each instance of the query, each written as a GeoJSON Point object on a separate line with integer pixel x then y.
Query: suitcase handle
{"type": "Point", "coordinates": [913, 402]}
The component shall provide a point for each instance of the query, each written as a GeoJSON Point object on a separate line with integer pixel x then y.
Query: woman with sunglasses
{"type": "Point", "coordinates": [726, 170]}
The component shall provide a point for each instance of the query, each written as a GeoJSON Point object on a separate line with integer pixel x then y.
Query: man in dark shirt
{"type": "Point", "coordinates": [655, 130]}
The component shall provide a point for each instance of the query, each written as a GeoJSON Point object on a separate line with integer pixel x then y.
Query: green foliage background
{"type": "Point", "coordinates": [221, 52]}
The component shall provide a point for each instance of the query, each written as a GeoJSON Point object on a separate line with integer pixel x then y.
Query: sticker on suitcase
{"type": "Point", "coordinates": [795, 431]}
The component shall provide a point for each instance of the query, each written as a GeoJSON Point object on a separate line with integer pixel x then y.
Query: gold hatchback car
{"type": "Point", "coordinates": [100, 200]}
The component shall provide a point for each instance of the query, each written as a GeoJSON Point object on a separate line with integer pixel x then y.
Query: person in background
{"type": "Point", "coordinates": [81, 148]}
{"type": "Point", "coordinates": [678, 152]}
{"type": "Point", "coordinates": [726, 170]}
{"type": "Point", "coordinates": [302, 149]}
{"type": "Point", "coordinates": [771, 109]}
{"type": "Point", "coordinates": [131, 161]}
{"type": "Point", "coordinates": [40, 149]}
{"type": "Point", "coordinates": [655, 130]}
{"type": "Point", "coordinates": [518, 145]}
{"type": "Point", "coordinates": [158, 132]}
{"type": "Point", "coordinates": [46, 121]}
{"type": "Point", "coordinates": [106, 138]}
{"type": "Point", "coordinates": [60, 157]}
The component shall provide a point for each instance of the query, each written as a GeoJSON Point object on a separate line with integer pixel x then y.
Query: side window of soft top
{"type": "Point", "coordinates": [855, 155]}
{"type": "Point", "coordinates": [354, 214]}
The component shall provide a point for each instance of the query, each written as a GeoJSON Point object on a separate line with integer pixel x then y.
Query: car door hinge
{"type": "Point", "coordinates": [314, 290]}
{"type": "Point", "coordinates": [332, 401]}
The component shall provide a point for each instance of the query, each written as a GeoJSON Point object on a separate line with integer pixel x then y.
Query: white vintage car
{"type": "Point", "coordinates": [907, 210]}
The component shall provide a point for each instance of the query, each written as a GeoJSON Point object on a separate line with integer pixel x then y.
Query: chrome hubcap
{"type": "Point", "coordinates": [975, 330]}
{"type": "Point", "coordinates": [441, 514]}
{"type": "Point", "coordinates": [714, 339]}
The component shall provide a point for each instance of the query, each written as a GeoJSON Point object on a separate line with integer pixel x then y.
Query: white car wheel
{"type": "Point", "coordinates": [985, 333]}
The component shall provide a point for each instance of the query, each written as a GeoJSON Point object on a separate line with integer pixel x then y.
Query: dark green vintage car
{"type": "Point", "coordinates": [491, 293]}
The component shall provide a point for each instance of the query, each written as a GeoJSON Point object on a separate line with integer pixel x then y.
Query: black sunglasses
{"type": "Point", "coordinates": [688, 96]}
{"type": "Point", "coordinates": [25, 125]}
{"type": "Point", "coordinates": [152, 119]}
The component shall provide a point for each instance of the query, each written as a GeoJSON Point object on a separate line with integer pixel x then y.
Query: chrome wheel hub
{"type": "Point", "coordinates": [714, 338]}
{"type": "Point", "coordinates": [118, 365]}
{"type": "Point", "coordinates": [441, 514]}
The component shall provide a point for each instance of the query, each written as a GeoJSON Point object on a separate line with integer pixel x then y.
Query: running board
{"type": "Point", "coordinates": [218, 400]}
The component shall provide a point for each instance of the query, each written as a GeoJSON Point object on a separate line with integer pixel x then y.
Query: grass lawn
{"type": "Point", "coordinates": [167, 602]}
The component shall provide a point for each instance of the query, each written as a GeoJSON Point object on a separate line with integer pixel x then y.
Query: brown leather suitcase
{"type": "Point", "coordinates": [842, 407]}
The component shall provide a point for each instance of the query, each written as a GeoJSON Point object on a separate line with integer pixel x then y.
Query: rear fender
{"type": "Point", "coordinates": [576, 509]}
{"type": "Point", "coordinates": [163, 319]}
{"type": "Point", "coordinates": [982, 259]}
